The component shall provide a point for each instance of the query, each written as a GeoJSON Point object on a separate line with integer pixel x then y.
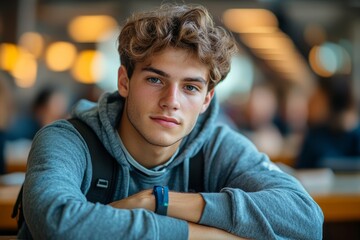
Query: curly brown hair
{"type": "Point", "coordinates": [188, 27]}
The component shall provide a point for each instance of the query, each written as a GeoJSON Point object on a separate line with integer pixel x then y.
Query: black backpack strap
{"type": "Point", "coordinates": [196, 175]}
{"type": "Point", "coordinates": [104, 166]}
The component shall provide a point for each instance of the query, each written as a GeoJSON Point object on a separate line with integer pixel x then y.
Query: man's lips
{"type": "Point", "coordinates": [166, 119]}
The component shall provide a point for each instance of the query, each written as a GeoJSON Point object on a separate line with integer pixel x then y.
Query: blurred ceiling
{"type": "Point", "coordinates": [333, 21]}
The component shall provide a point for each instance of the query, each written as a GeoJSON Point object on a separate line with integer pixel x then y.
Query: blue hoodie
{"type": "Point", "coordinates": [245, 193]}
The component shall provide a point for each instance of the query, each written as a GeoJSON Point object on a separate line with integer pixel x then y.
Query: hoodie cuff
{"type": "Point", "coordinates": [172, 228]}
{"type": "Point", "coordinates": [217, 210]}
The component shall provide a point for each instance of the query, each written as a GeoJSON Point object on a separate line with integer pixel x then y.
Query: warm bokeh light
{"type": "Point", "coordinates": [9, 54]}
{"type": "Point", "coordinates": [98, 69]}
{"type": "Point", "coordinates": [279, 52]}
{"type": "Point", "coordinates": [33, 42]}
{"type": "Point", "coordinates": [329, 58]}
{"type": "Point", "coordinates": [315, 63]}
{"type": "Point", "coordinates": [25, 69]}
{"type": "Point", "coordinates": [250, 20]}
{"type": "Point", "coordinates": [259, 30]}
{"type": "Point", "coordinates": [20, 63]}
{"type": "Point", "coordinates": [60, 56]}
{"type": "Point", "coordinates": [90, 28]}
{"type": "Point", "coordinates": [277, 41]}
{"type": "Point", "coordinates": [83, 70]}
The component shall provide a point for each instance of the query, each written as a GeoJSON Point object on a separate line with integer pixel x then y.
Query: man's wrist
{"type": "Point", "coordinates": [186, 206]}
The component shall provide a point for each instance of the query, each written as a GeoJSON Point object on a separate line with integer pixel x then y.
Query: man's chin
{"type": "Point", "coordinates": [164, 142]}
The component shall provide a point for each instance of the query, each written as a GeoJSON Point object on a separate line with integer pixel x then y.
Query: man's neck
{"type": "Point", "coordinates": [148, 156]}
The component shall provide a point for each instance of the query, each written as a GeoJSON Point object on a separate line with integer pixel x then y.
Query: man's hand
{"type": "Point", "coordinates": [144, 199]}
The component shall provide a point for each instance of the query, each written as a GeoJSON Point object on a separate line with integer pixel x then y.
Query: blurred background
{"type": "Point", "coordinates": [293, 89]}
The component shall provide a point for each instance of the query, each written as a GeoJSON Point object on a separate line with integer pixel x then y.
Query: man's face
{"type": "Point", "coordinates": [164, 97]}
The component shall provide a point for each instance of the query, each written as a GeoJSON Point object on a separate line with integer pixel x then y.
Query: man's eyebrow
{"type": "Point", "coordinates": [157, 71]}
{"type": "Point", "coordinates": [196, 79]}
{"type": "Point", "coordinates": [164, 74]}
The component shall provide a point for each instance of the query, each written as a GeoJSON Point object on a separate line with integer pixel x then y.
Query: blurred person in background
{"type": "Point", "coordinates": [49, 104]}
{"type": "Point", "coordinates": [333, 125]}
{"type": "Point", "coordinates": [291, 119]}
{"type": "Point", "coordinates": [258, 120]}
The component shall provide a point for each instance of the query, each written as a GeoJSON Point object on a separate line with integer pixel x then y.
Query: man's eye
{"type": "Point", "coordinates": [154, 80]}
{"type": "Point", "coordinates": [191, 88]}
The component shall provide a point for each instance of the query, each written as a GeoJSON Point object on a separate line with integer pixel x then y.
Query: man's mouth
{"type": "Point", "coordinates": [166, 121]}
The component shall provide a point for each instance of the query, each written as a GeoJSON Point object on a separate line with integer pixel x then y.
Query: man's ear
{"type": "Point", "coordinates": [123, 82]}
{"type": "Point", "coordinates": [207, 100]}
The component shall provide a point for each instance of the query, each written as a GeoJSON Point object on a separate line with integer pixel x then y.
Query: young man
{"type": "Point", "coordinates": [162, 115]}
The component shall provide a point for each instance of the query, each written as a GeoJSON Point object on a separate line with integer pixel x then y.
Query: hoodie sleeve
{"type": "Point", "coordinates": [54, 203]}
{"type": "Point", "coordinates": [250, 197]}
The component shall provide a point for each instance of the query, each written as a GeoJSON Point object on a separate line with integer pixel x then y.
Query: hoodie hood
{"type": "Point", "coordinates": [103, 117]}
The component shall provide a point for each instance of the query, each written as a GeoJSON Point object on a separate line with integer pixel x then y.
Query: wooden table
{"type": "Point", "coordinates": [340, 198]}
{"type": "Point", "coordinates": [16, 165]}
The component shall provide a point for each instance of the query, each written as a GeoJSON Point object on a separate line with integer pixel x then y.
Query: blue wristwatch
{"type": "Point", "coordinates": [162, 199]}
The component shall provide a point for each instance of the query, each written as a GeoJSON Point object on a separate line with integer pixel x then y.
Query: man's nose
{"type": "Point", "coordinates": [170, 97]}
